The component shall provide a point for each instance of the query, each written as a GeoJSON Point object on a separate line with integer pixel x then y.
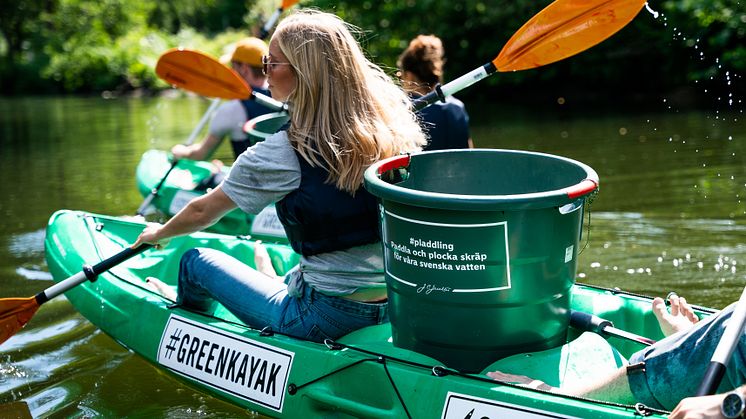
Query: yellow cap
{"type": "Point", "coordinates": [250, 51]}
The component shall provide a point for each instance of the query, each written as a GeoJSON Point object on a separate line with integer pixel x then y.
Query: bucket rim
{"type": "Point", "coordinates": [553, 198]}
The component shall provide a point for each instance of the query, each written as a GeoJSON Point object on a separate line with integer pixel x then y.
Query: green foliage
{"type": "Point", "coordinates": [474, 31]}
{"type": "Point", "coordinates": [94, 45]}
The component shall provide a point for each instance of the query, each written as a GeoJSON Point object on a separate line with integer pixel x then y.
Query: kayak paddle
{"type": "Point", "coordinates": [202, 74]}
{"type": "Point", "coordinates": [724, 350]}
{"type": "Point", "coordinates": [16, 312]}
{"type": "Point", "coordinates": [286, 4]}
{"type": "Point", "coordinates": [560, 30]}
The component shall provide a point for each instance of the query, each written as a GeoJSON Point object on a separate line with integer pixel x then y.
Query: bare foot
{"type": "Point", "coordinates": [155, 284]}
{"type": "Point", "coordinates": [262, 260]}
{"type": "Point", "coordinates": [681, 317]}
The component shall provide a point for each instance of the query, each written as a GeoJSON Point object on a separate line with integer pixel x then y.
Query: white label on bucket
{"type": "Point", "coordinates": [233, 364]}
{"type": "Point", "coordinates": [427, 250]}
{"type": "Point", "coordinates": [460, 406]}
{"type": "Point", "coordinates": [568, 253]}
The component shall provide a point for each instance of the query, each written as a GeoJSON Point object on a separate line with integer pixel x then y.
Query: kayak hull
{"type": "Point", "coordinates": [362, 374]}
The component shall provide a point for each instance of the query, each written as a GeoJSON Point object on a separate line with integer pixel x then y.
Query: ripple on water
{"type": "Point", "coordinates": [34, 274]}
{"type": "Point", "coordinates": [30, 340]}
{"type": "Point", "coordinates": [698, 258]}
{"type": "Point", "coordinates": [27, 244]}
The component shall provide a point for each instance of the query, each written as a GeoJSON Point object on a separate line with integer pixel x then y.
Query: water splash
{"type": "Point", "coordinates": [652, 12]}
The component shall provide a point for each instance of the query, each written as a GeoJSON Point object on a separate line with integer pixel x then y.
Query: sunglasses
{"type": "Point", "coordinates": [268, 65]}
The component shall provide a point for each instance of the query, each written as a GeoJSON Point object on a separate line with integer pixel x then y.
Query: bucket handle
{"type": "Point", "coordinates": [395, 163]}
{"type": "Point", "coordinates": [583, 188]}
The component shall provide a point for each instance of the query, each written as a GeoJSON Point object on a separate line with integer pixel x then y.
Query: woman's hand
{"type": "Point", "coordinates": [704, 407]}
{"type": "Point", "coordinates": [151, 234]}
{"type": "Point", "coordinates": [180, 151]}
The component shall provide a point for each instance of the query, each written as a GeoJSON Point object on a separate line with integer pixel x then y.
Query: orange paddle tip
{"type": "Point", "coordinates": [14, 314]}
{"type": "Point", "coordinates": [286, 4]}
{"type": "Point", "coordinates": [565, 28]}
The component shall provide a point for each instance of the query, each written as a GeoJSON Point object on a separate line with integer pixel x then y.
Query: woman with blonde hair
{"type": "Point", "coordinates": [346, 114]}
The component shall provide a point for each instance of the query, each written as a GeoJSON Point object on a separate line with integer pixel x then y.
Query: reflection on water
{"type": "Point", "coordinates": [34, 274]}
{"type": "Point", "coordinates": [669, 216]}
{"type": "Point", "coordinates": [27, 244]}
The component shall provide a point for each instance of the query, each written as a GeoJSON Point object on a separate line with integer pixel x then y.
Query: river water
{"type": "Point", "coordinates": [670, 216]}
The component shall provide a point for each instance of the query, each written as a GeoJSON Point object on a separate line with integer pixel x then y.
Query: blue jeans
{"type": "Point", "coordinates": [207, 276]}
{"type": "Point", "coordinates": [674, 366]}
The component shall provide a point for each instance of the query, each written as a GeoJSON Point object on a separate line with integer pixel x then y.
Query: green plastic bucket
{"type": "Point", "coordinates": [263, 126]}
{"type": "Point", "coordinates": [480, 250]}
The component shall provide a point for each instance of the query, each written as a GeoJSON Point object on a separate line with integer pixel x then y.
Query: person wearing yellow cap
{"type": "Point", "coordinates": [230, 117]}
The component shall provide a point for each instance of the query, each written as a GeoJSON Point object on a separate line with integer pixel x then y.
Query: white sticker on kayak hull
{"type": "Point", "coordinates": [242, 367]}
{"type": "Point", "coordinates": [267, 223]}
{"type": "Point", "coordinates": [462, 406]}
{"type": "Point", "coordinates": [181, 198]}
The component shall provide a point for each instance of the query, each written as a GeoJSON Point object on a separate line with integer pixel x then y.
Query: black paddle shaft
{"type": "Point", "coordinates": [154, 191]}
{"type": "Point", "coordinates": [89, 273]}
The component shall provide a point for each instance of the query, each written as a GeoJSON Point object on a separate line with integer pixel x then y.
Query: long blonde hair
{"type": "Point", "coordinates": [347, 113]}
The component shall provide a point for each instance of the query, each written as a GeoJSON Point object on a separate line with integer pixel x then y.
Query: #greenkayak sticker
{"type": "Point", "coordinates": [437, 257]}
{"type": "Point", "coordinates": [242, 367]}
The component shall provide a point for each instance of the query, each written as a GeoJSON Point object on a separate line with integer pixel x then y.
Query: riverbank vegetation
{"type": "Point", "coordinates": [90, 46]}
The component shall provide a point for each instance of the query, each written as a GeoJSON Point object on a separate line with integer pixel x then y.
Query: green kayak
{"type": "Point", "coordinates": [360, 375]}
{"type": "Point", "coordinates": [190, 179]}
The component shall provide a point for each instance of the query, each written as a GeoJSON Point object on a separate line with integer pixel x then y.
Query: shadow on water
{"type": "Point", "coordinates": [669, 216]}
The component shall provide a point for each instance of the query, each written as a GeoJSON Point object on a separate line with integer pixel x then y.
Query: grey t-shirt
{"type": "Point", "coordinates": [229, 120]}
{"type": "Point", "coordinates": [263, 175]}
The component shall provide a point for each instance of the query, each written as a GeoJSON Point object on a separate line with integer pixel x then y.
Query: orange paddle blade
{"type": "Point", "coordinates": [288, 3]}
{"type": "Point", "coordinates": [14, 314]}
{"type": "Point", "coordinates": [565, 28]}
{"type": "Point", "coordinates": [200, 73]}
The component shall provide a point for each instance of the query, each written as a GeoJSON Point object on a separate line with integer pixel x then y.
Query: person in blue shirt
{"type": "Point", "coordinates": [420, 69]}
{"type": "Point", "coordinates": [231, 116]}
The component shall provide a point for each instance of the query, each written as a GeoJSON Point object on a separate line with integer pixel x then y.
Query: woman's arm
{"type": "Point", "coordinates": [198, 214]}
{"type": "Point", "coordinates": [199, 151]}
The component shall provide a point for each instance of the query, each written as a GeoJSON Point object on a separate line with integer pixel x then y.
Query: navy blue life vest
{"type": "Point", "coordinates": [252, 109]}
{"type": "Point", "coordinates": [320, 218]}
{"type": "Point", "coordinates": [446, 125]}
